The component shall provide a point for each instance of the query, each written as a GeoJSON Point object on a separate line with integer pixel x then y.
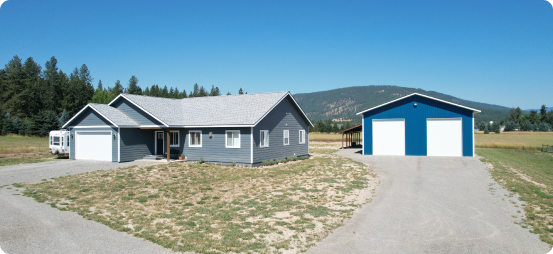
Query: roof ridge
{"type": "Point", "coordinates": [209, 96]}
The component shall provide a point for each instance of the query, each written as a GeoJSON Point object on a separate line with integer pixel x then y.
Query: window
{"type": "Point", "coordinates": [302, 136]}
{"type": "Point", "coordinates": [286, 136]}
{"type": "Point", "coordinates": [264, 138]}
{"type": "Point", "coordinates": [56, 141]}
{"type": "Point", "coordinates": [174, 138]}
{"type": "Point", "coordinates": [67, 140]}
{"type": "Point", "coordinates": [195, 139]}
{"type": "Point", "coordinates": [61, 142]}
{"type": "Point", "coordinates": [51, 140]}
{"type": "Point", "coordinates": [233, 139]}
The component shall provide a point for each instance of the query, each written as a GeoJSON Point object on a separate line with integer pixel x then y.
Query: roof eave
{"type": "Point", "coordinates": [422, 95]}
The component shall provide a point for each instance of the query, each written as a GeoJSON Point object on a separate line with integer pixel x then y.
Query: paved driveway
{"type": "Point", "coordinates": [27, 226]}
{"type": "Point", "coordinates": [432, 205]}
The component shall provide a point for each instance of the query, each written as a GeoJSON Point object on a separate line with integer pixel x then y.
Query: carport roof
{"type": "Point", "coordinates": [422, 95]}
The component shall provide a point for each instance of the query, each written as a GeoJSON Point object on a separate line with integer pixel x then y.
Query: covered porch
{"type": "Point", "coordinates": [352, 136]}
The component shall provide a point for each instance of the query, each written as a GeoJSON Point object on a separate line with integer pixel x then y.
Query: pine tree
{"type": "Point", "coordinates": [63, 118]}
{"type": "Point", "coordinates": [543, 113]}
{"type": "Point", "coordinates": [7, 127]}
{"type": "Point", "coordinates": [133, 87]}
{"type": "Point", "coordinates": [1, 120]}
{"type": "Point", "coordinates": [51, 122]}
{"type": "Point", "coordinates": [544, 127]}
{"type": "Point", "coordinates": [24, 127]}
{"type": "Point", "coordinates": [146, 91]}
{"type": "Point", "coordinates": [196, 91]}
{"type": "Point", "coordinates": [164, 92]}
{"type": "Point", "coordinates": [486, 129]}
{"type": "Point", "coordinates": [17, 125]}
{"type": "Point", "coordinates": [240, 91]}
{"type": "Point", "coordinates": [228, 93]}
{"type": "Point", "coordinates": [203, 92]}
{"type": "Point", "coordinates": [335, 128]}
{"type": "Point", "coordinates": [36, 124]}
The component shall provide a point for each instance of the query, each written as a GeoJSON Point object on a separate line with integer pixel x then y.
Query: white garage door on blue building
{"type": "Point", "coordinates": [418, 125]}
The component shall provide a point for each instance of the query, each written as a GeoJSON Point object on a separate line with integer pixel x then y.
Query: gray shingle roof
{"type": "Point", "coordinates": [245, 109]}
{"type": "Point", "coordinates": [114, 115]}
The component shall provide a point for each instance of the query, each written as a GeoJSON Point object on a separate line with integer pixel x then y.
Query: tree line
{"type": "Point", "coordinates": [518, 120]}
{"type": "Point", "coordinates": [34, 101]}
{"type": "Point", "coordinates": [329, 126]}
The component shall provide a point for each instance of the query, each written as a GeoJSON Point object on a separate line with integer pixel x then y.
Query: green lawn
{"type": "Point", "coordinates": [529, 174]}
{"type": "Point", "coordinates": [204, 208]}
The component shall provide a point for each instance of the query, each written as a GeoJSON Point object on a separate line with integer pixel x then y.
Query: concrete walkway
{"type": "Point", "coordinates": [27, 226]}
{"type": "Point", "coordinates": [433, 205]}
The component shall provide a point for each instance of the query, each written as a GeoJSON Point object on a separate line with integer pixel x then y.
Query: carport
{"type": "Point", "coordinates": [352, 136]}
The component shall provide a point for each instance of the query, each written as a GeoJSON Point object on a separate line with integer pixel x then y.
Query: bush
{"type": "Point", "coordinates": [234, 163]}
{"type": "Point", "coordinates": [293, 158]}
{"type": "Point", "coordinates": [265, 163]}
{"type": "Point", "coordinates": [201, 160]}
{"type": "Point", "coordinates": [282, 160]}
{"type": "Point", "coordinates": [182, 155]}
{"type": "Point", "coordinates": [486, 130]}
{"type": "Point", "coordinates": [271, 162]}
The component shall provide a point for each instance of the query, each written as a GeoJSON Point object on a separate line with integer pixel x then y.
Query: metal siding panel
{"type": "Point", "coordinates": [214, 150]}
{"type": "Point", "coordinates": [134, 112]}
{"type": "Point", "coordinates": [276, 122]}
{"type": "Point", "coordinates": [136, 143]}
{"type": "Point", "coordinates": [415, 122]}
{"type": "Point", "coordinates": [90, 118]}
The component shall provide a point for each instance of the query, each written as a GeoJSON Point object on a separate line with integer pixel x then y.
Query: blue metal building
{"type": "Point", "coordinates": [418, 125]}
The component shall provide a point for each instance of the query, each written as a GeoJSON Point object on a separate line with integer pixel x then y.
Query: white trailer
{"type": "Point", "coordinates": [59, 142]}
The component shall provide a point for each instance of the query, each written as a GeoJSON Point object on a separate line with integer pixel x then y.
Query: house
{"type": "Point", "coordinates": [245, 129]}
{"type": "Point", "coordinates": [418, 125]}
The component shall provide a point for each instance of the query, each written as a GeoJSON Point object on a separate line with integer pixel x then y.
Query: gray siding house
{"type": "Point", "coordinates": [245, 129]}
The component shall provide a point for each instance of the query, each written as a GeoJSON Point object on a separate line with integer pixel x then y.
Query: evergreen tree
{"type": "Point", "coordinates": [164, 92]}
{"type": "Point", "coordinates": [51, 122]}
{"type": "Point", "coordinates": [146, 91]}
{"type": "Point", "coordinates": [36, 123]}
{"type": "Point", "coordinates": [544, 127]}
{"type": "Point", "coordinates": [214, 91]}
{"type": "Point", "coordinates": [2, 113]}
{"type": "Point", "coordinates": [496, 127]}
{"type": "Point", "coordinates": [63, 118]}
{"type": "Point", "coordinates": [486, 129]}
{"type": "Point", "coordinates": [335, 128]}
{"type": "Point", "coordinates": [240, 91]}
{"type": "Point", "coordinates": [7, 127]}
{"type": "Point", "coordinates": [133, 87]}
{"type": "Point", "coordinates": [53, 85]}
{"type": "Point", "coordinates": [228, 93]}
{"type": "Point", "coordinates": [17, 123]}
{"type": "Point", "coordinates": [196, 91]}
{"type": "Point", "coordinates": [13, 87]}
{"type": "Point", "coordinates": [347, 125]}
{"type": "Point", "coordinates": [543, 113]}
{"type": "Point", "coordinates": [183, 94]}
{"type": "Point", "coordinates": [509, 126]}
{"type": "Point", "coordinates": [24, 127]}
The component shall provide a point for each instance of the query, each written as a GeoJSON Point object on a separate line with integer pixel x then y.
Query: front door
{"type": "Point", "coordinates": [159, 143]}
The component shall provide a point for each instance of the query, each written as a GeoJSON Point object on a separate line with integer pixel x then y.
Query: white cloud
{"type": "Point", "coordinates": [2, 2]}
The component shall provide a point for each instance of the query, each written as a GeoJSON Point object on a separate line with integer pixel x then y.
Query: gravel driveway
{"type": "Point", "coordinates": [27, 226]}
{"type": "Point", "coordinates": [433, 205]}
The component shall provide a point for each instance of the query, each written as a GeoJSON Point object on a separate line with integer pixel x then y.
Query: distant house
{"type": "Point", "coordinates": [245, 129]}
{"type": "Point", "coordinates": [418, 125]}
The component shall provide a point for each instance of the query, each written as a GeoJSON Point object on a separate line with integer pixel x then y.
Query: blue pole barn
{"type": "Point", "coordinates": [418, 125]}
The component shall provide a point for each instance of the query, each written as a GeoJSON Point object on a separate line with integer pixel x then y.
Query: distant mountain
{"type": "Point", "coordinates": [546, 109]}
{"type": "Point", "coordinates": [346, 102]}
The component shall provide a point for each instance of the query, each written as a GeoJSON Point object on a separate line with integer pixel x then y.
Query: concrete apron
{"type": "Point", "coordinates": [432, 205]}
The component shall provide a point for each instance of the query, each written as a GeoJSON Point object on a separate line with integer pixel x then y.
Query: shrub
{"type": "Point", "coordinates": [293, 158]}
{"type": "Point", "coordinates": [234, 163]}
{"type": "Point", "coordinates": [486, 130]}
{"type": "Point", "coordinates": [280, 160]}
{"type": "Point", "coordinates": [265, 163]}
{"type": "Point", "coordinates": [201, 160]}
{"type": "Point", "coordinates": [182, 155]}
{"type": "Point", "coordinates": [271, 162]}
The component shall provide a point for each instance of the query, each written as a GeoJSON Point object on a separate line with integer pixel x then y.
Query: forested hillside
{"type": "Point", "coordinates": [346, 102]}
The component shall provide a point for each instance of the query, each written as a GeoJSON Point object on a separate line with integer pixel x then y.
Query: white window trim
{"type": "Point", "coordinates": [261, 139]}
{"type": "Point", "coordinates": [284, 132]}
{"type": "Point", "coordinates": [226, 143]}
{"type": "Point", "coordinates": [178, 139]}
{"type": "Point", "coordinates": [190, 138]}
{"type": "Point", "coordinates": [303, 137]}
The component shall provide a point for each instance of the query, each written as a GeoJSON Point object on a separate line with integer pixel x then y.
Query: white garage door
{"type": "Point", "coordinates": [93, 146]}
{"type": "Point", "coordinates": [444, 137]}
{"type": "Point", "coordinates": [389, 137]}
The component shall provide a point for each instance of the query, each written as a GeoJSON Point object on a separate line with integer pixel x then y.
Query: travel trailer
{"type": "Point", "coordinates": [59, 142]}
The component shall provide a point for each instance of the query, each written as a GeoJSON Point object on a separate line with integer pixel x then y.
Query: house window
{"type": "Point", "coordinates": [233, 139]}
{"type": "Point", "coordinates": [56, 141]}
{"type": "Point", "coordinates": [264, 138]}
{"type": "Point", "coordinates": [286, 136]}
{"type": "Point", "coordinates": [302, 136]}
{"type": "Point", "coordinates": [195, 139]}
{"type": "Point", "coordinates": [174, 138]}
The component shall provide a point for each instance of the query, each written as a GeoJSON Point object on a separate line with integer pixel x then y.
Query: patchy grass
{"type": "Point", "coordinates": [28, 159]}
{"type": "Point", "coordinates": [209, 208]}
{"type": "Point", "coordinates": [514, 140]}
{"type": "Point", "coordinates": [318, 136]}
{"type": "Point", "coordinates": [11, 143]}
{"type": "Point", "coordinates": [529, 174]}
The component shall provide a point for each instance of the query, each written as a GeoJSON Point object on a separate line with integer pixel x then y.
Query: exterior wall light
{"type": "Point", "coordinates": [210, 134]}
{"type": "Point", "coordinates": [415, 105]}
{"type": "Point", "coordinates": [114, 136]}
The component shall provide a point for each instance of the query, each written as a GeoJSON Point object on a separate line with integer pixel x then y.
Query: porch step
{"type": "Point", "coordinates": [153, 157]}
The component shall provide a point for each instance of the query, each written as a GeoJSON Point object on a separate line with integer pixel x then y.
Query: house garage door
{"type": "Point", "coordinates": [444, 137]}
{"type": "Point", "coordinates": [93, 145]}
{"type": "Point", "coordinates": [389, 137]}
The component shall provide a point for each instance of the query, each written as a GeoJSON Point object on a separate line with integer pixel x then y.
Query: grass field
{"type": "Point", "coordinates": [205, 208]}
{"type": "Point", "coordinates": [16, 149]}
{"type": "Point", "coordinates": [317, 136]}
{"type": "Point", "coordinates": [514, 140]}
{"type": "Point", "coordinates": [530, 175]}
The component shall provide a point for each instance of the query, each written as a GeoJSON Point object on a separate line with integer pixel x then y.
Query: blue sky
{"type": "Point", "coordinates": [492, 51]}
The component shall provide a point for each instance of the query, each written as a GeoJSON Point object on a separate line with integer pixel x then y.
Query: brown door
{"type": "Point", "coordinates": [159, 143]}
